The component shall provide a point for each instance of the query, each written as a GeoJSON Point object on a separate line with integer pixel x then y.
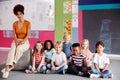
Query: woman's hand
{"type": "Point", "coordinates": [21, 42]}
{"type": "Point", "coordinates": [17, 42]}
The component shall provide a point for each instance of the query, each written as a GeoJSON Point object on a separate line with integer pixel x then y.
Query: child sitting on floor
{"type": "Point", "coordinates": [59, 61]}
{"type": "Point", "coordinates": [77, 64]}
{"type": "Point", "coordinates": [67, 45]}
{"type": "Point", "coordinates": [101, 63]}
{"type": "Point", "coordinates": [85, 50]}
{"type": "Point", "coordinates": [38, 59]}
{"type": "Point", "coordinates": [48, 50]}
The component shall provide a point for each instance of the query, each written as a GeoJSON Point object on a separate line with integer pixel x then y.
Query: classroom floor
{"type": "Point", "coordinates": [20, 75]}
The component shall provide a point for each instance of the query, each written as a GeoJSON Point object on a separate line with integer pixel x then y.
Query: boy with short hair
{"type": "Point", "coordinates": [59, 61]}
{"type": "Point", "coordinates": [77, 64]}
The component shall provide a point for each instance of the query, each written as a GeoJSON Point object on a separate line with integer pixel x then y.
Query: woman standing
{"type": "Point", "coordinates": [21, 30]}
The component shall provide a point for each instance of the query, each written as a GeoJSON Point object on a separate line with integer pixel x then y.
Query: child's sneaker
{"type": "Point", "coordinates": [94, 76]}
{"type": "Point", "coordinates": [64, 71]}
{"type": "Point", "coordinates": [44, 72]}
{"type": "Point", "coordinates": [49, 72]}
{"type": "Point", "coordinates": [3, 70]}
{"type": "Point", "coordinates": [5, 73]}
{"type": "Point", "coordinates": [110, 76]}
{"type": "Point", "coordinates": [28, 71]}
{"type": "Point", "coordinates": [80, 73]}
{"type": "Point", "coordinates": [87, 74]}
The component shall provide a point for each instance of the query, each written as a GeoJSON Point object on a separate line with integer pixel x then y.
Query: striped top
{"type": "Point", "coordinates": [78, 60]}
{"type": "Point", "coordinates": [38, 58]}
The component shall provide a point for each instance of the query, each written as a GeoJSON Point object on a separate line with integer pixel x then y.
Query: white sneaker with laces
{"type": "Point", "coordinates": [3, 70]}
{"type": "Point", "coordinates": [5, 73]}
{"type": "Point", "coordinates": [94, 76]}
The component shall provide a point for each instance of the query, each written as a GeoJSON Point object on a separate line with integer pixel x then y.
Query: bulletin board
{"type": "Point", "coordinates": [39, 12]}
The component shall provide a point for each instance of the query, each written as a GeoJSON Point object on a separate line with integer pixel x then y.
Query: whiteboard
{"type": "Point", "coordinates": [39, 12]}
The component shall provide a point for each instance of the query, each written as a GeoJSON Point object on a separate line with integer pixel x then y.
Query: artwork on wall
{"type": "Point", "coordinates": [75, 20]}
{"type": "Point", "coordinates": [9, 34]}
{"type": "Point", "coordinates": [75, 13]}
{"type": "Point", "coordinates": [67, 20]}
{"type": "Point", "coordinates": [67, 6]}
{"type": "Point", "coordinates": [68, 27]}
{"type": "Point", "coordinates": [34, 34]}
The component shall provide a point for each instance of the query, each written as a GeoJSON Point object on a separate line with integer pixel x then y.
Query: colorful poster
{"type": "Point", "coordinates": [67, 5]}
{"type": "Point", "coordinates": [34, 34]}
{"type": "Point", "coordinates": [68, 27]}
{"type": "Point", "coordinates": [9, 34]}
{"type": "Point", "coordinates": [63, 18]}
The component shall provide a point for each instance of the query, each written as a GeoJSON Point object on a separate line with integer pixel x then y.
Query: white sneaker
{"type": "Point", "coordinates": [28, 71]}
{"type": "Point", "coordinates": [94, 75]}
{"type": "Point", "coordinates": [63, 72]}
{"type": "Point", "coordinates": [5, 73]}
{"type": "Point", "coordinates": [50, 72]}
{"type": "Point", "coordinates": [80, 73]}
{"type": "Point", "coordinates": [3, 70]}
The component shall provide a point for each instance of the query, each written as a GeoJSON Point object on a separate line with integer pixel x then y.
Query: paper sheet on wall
{"type": "Point", "coordinates": [67, 7]}
{"type": "Point", "coordinates": [75, 13]}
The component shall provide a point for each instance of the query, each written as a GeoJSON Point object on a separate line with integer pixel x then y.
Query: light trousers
{"type": "Point", "coordinates": [15, 53]}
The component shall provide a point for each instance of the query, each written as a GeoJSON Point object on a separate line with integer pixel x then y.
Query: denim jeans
{"type": "Point", "coordinates": [105, 74]}
{"type": "Point", "coordinates": [59, 70]}
{"type": "Point", "coordinates": [43, 68]}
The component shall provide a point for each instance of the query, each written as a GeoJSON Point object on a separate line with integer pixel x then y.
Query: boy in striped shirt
{"type": "Point", "coordinates": [77, 61]}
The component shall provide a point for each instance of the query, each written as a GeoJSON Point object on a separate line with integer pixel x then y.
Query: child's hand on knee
{"type": "Point", "coordinates": [33, 69]}
{"type": "Point", "coordinates": [56, 68]}
{"type": "Point", "coordinates": [38, 69]}
{"type": "Point", "coordinates": [53, 68]}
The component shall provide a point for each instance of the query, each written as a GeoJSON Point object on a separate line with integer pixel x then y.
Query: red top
{"type": "Point", "coordinates": [38, 58]}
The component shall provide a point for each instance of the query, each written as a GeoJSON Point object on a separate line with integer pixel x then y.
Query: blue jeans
{"type": "Point", "coordinates": [59, 70]}
{"type": "Point", "coordinates": [43, 68]}
{"type": "Point", "coordinates": [104, 74]}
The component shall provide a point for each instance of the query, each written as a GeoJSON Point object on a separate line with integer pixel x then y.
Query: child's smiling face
{"type": "Point", "coordinates": [100, 49]}
{"type": "Point", "coordinates": [84, 45]}
{"type": "Point", "coordinates": [66, 38]}
{"type": "Point", "coordinates": [76, 50]}
{"type": "Point", "coordinates": [39, 46]}
{"type": "Point", "coordinates": [58, 48]}
{"type": "Point", "coordinates": [48, 45]}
